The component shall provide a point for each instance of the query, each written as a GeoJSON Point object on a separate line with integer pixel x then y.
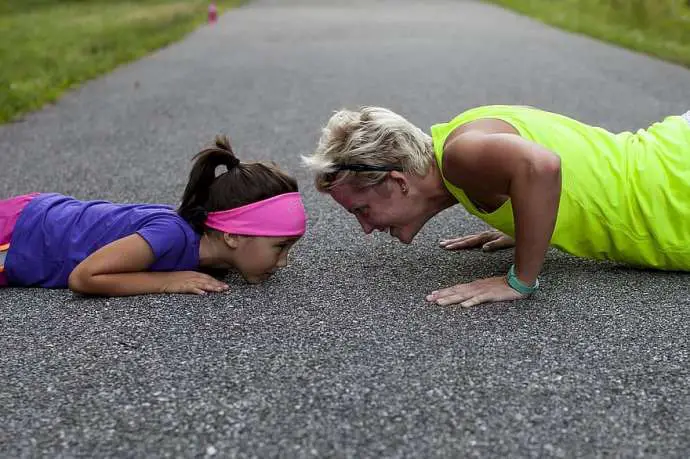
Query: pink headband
{"type": "Point", "coordinates": [281, 215]}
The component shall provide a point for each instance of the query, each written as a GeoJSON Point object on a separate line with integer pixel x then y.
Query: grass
{"type": "Point", "coordinates": [660, 28]}
{"type": "Point", "coordinates": [49, 46]}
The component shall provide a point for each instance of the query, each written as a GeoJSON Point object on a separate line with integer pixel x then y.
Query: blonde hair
{"type": "Point", "coordinates": [373, 136]}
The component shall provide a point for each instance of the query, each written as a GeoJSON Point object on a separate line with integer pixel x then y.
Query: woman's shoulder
{"type": "Point", "coordinates": [488, 111]}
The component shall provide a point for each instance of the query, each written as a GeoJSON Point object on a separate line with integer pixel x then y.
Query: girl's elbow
{"type": "Point", "coordinates": [78, 282]}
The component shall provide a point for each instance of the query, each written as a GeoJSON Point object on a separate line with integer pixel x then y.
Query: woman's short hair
{"type": "Point", "coordinates": [372, 136]}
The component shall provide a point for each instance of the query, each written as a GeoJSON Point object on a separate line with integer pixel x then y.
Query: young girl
{"type": "Point", "coordinates": [246, 218]}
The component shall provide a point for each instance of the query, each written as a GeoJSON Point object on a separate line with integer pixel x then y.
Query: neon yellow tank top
{"type": "Point", "coordinates": [625, 197]}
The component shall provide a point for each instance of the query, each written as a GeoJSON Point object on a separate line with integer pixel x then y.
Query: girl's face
{"type": "Point", "coordinates": [257, 258]}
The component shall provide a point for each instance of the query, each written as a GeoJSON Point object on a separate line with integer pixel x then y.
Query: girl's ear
{"type": "Point", "coordinates": [232, 240]}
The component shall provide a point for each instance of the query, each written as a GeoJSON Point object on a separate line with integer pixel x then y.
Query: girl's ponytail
{"type": "Point", "coordinates": [242, 184]}
{"type": "Point", "coordinates": [203, 173]}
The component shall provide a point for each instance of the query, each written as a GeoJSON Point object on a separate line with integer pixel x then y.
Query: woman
{"type": "Point", "coordinates": [539, 178]}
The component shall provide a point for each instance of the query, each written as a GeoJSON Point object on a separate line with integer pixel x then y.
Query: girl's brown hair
{"type": "Point", "coordinates": [241, 184]}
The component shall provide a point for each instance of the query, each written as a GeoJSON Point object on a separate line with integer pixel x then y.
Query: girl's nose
{"type": "Point", "coordinates": [282, 261]}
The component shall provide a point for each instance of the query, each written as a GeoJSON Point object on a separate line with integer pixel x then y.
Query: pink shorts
{"type": "Point", "coordinates": [9, 213]}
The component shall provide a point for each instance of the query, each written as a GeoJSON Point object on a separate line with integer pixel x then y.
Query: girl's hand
{"type": "Point", "coordinates": [488, 290]}
{"type": "Point", "coordinates": [191, 282]}
{"type": "Point", "coordinates": [489, 241]}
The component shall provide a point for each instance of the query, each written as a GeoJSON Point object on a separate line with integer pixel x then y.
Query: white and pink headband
{"type": "Point", "coordinates": [281, 215]}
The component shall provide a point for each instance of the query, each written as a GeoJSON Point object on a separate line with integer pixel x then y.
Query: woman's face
{"type": "Point", "coordinates": [388, 207]}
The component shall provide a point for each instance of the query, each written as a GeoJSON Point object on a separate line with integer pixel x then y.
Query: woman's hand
{"type": "Point", "coordinates": [489, 290]}
{"type": "Point", "coordinates": [489, 241]}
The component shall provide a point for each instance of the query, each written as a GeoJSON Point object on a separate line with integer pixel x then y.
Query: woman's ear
{"type": "Point", "coordinates": [232, 240]}
{"type": "Point", "coordinates": [401, 181]}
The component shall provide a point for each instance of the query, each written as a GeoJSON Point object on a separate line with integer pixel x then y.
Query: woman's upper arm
{"type": "Point", "coordinates": [489, 162]}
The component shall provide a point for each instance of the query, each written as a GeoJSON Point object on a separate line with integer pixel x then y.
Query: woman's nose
{"type": "Point", "coordinates": [366, 227]}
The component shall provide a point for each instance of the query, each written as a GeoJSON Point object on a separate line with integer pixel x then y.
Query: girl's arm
{"type": "Point", "coordinates": [119, 269]}
{"type": "Point", "coordinates": [509, 165]}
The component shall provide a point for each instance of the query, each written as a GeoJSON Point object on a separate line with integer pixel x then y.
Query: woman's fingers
{"type": "Point", "coordinates": [487, 290]}
{"type": "Point", "coordinates": [451, 295]}
{"type": "Point", "coordinates": [470, 241]}
{"type": "Point", "coordinates": [503, 242]}
{"type": "Point", "coordinates": [476, 300]}
{"type": "Point", "coordinates": [458, 244]}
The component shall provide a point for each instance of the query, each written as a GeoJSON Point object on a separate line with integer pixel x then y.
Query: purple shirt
{"type": "Point", "coordinates": [54, 233]}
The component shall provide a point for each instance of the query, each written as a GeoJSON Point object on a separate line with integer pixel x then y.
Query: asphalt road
{"type": "Point", "coordinates": [339, 355]}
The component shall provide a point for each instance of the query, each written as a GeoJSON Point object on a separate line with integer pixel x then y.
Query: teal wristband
{"type": "Point", "coordinates": [518, 285]}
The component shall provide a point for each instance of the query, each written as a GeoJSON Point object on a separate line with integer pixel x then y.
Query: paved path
{"type": "Point", "coordinates": [339, 356]}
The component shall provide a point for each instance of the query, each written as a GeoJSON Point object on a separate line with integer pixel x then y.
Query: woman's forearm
{"type": "Point", "coordinates": [535, 194]}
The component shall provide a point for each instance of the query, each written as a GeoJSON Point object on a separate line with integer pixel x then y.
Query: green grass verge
{"type": "Point", "coordinates": [659, 28]}
{"type": "Point", "coordinates": [49, 46]}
